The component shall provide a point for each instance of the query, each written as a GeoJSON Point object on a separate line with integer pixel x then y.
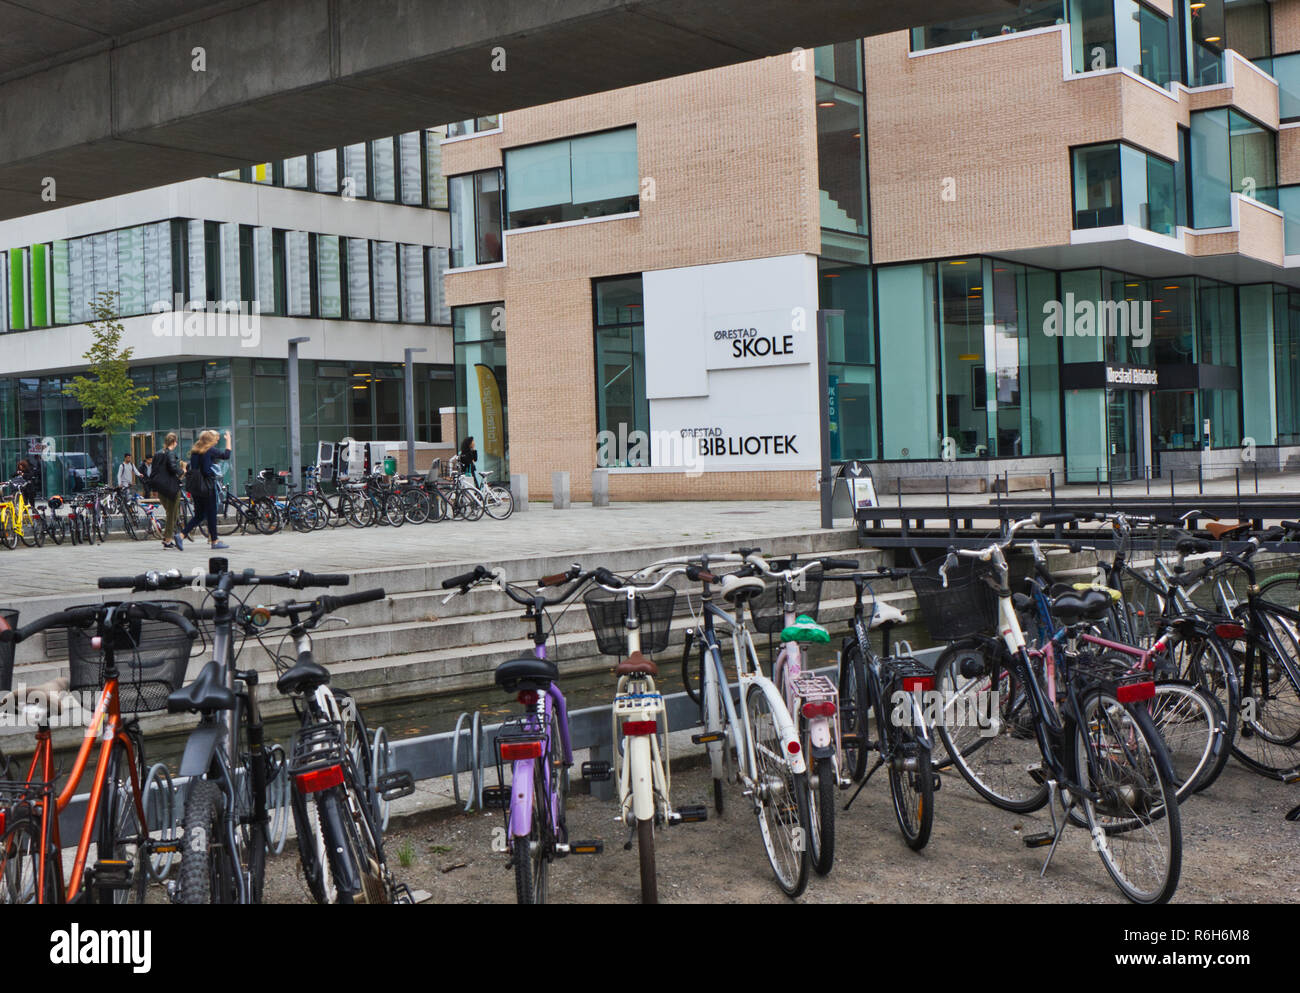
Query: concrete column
{"type": "Point", "coordinates": [519, 490]}
{"type": "Point", "coordinates": [560, 490]}
{"type": "Point", "coordinates": [600, 487]}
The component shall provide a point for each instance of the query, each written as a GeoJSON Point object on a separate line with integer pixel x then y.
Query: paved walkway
{"type": "Point", "coordinates": [54, 569]}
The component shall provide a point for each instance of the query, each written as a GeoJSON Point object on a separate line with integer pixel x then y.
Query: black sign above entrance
{"type": "Point", "coordinates": [1108, 376]}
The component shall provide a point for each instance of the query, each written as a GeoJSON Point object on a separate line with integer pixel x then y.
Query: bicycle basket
{"type": "Point", "coordinates": [151, 658]}
{"type": "Point", "coordinates": [768, 610]}
{"type": "Point", "coordinates": [608, 614]}
{"type": "Point", "coordinates": [8, 622]}
{"type": "Point", "coordinates": [259, 491]}
{"type": "Point", "coordinates": [966, 606]}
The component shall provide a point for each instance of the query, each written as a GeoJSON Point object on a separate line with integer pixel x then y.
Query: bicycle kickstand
{"type": "Point", "coordinates": [865, 779]}
{"type": "Point", "coordinates": [1058, 829]}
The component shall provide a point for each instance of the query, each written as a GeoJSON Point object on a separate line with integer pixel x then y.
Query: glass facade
{"type": "Point", "coordinates": [1230, 153]}
{"type": "Point", "coordinates": [1116, 183]}
{"type": "Point", "coordinates": [841, 152]}
{"type": "Point", "coordinates": [1027, 17]}
{"type": "Point", "coordinates": [621, 405]}
{"type": "Point", "coordinates": [851, 360]}
{"type": "Point", "coordinates": [1286, 363]}
{"type": "Point", "coordinates": [592, 175]}
{"type": "Point", "coordinates": [482, 409]}
{"type": "Point", "coordinates": [476, 212]}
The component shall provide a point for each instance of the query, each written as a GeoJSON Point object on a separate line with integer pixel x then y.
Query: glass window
{"type": "Point", "coordinates": [441, 314]}
{"type": "Point", "coordinates": [434, 179]}
{"type": "Point", "coordinates": [1092, 34]}
{"type": "Point", "coordinates": [910, 383]}
{"type": "Point", "coordinates": [230, 273]}
{"type": "Point", "coordinates": [460, 194]}
{"type": "Point", "coordinates": [411, 168]}
{"type": "Point", "coordinates": [1286, 70]}
{"type": "Point", "coordinates": [1253, 153]}
{"type": "Point", "coordinates": [481, 394]}
{"type": "Point", "coordinates": [413, 286]}
{"type": "Point", "coordinates": [1289, 202]}
{"type": "Point", "coordinates": [359, 279]}
{"type": "Point", "coordinates": [1098, 197]}
{"type": "Point", "coordinates": [1120, 184]}
{"type": "Point", "coordinates": [840, 63]}
{"type": "Point", "coordinates": [59, 279]}
{"type": "Point", "coordinates": [264, 270]}
{"type": "Point", "coordinates": [1286, 364]}
{"type": "Point", "coordinates": [841, 161]}
{"type": "Point", "coordinates": [476, 218]}
{"type": "Point", "coordinates": [329, 276]}
{"type": "Point", "coordinates": [966, 374]}
{"type": "Point", "coordinates": [1216, 323]}
{"type": "Point", "coordinates": [1211, 174]}
{"type": "Point", "coordinates": [384, 255]}
{"type": "Point", "coordinates": [851, 353]}
{"type": "Point", "coordinates": [621, 405]}
{"type": "Point", "coordinates": [591, 176]}
{"type": "Point", "coordinates": [326, 165]}
{"type": "Point", "coordinates": [295, 172]}
{"type": "Point", "coordinates": [198, 267]}
{"type": "Point", "coordinates": [354, 171]}
{"type": "Point", "coordinates": [297, 245]}
{"type": "Point", "coordinates": [383, 177]}
{"type": "Point", "coordinates": [1030, 15]}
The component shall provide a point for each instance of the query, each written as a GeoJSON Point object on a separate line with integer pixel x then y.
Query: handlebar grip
{"type": "Point", "coordinates": [607, 578]}
{"type": "Point", "coordinates": [558, 579]}
{"type": "Point", "coordinates": [331, 603]}
{"type": "Point", "coordinates": [1055, 517]}
{"type": "Point", "coordinates": [850, 564]}
{"type": "Point", "coordinates": [121, 582]}
{"type": "Point", "coordinates": [465, 578]}
{"type": "Point", "coordinates": [699, 574]}
{"type": "Point", "coordinates": [1191, 546]}
{"type": "Point", "coordinates": [306, 579]}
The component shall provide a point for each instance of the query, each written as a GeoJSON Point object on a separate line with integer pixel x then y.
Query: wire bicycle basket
{"type": "Point", "coordinates": [768, 608]}
{"type": "Point", "coordinates": [966, 606]}
{"type": "Point", "coordinates": [608, 614]}
{"type": "Point", "coordinates": [151, 658]}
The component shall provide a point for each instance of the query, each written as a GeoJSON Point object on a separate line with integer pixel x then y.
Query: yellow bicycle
{"type": "Point", "coordinates": [17, 520]}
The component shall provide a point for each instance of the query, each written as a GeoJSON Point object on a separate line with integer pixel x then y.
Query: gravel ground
{"type": "Point", "coordinates": [1237, 849]}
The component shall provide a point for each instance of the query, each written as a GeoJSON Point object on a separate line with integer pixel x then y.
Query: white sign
{"type": "Point", "coordinates": [760, 338]}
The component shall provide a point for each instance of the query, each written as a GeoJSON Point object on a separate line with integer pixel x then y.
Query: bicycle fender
{"type": "Point", "coordinates": [521, 798]}
{"type": "Point", "coordinates": [643, 793]}
{"type": "Point", "coordinates": [200, 748]}
{"type": "Point", "coordinates": [331, 807]}
{"type": "Point", "coordinates": [823, 751]}
{"type": "Point", "coordinates": [819, 734]}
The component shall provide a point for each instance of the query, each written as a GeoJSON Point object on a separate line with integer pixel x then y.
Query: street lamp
{"type": "Point", "coordinates": [295, 412]}
{"type": "Point", "coordinates": [410, 410]}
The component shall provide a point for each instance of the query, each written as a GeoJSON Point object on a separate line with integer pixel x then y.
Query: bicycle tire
{"type": "Point", "coordinates": [694, 686]}
{"type": "Point", "coordinates": [417, 506]}
{"type": "Point", "coordinates": [532, 867]}
{"type": "Point", "coordinates": [855, 726]}
{"type": "Point", "coordinates": [266, 516]}
{"type": "Point", "coordinates": [912, 789]}
{"type": "Point", "coordinates": [1207, 662]}
{"type": "Point", "coordinates": [468, 505]}
{"type": "Point", "coordinates": [783, 810]}
{"type": "Point", "coordinates": [129, 522]}
{"type": "Point", "coordinates": [1283, 580]}
{"type": "Point", "coordinates": [499, 502]}
{"type": "Point", "coordinates": [1190, 723]}
{"type": "Point", "coordinates": [994, 765]}
{"type": "Point", "coordinates": [394, 510]}
{"type": "Point", "coordinates": [302, 512]}
{"type": "Point", "coordinates": [20, 862]}
{"type": "Point", "coordinates": [1268, 734]}
{"type": "Point", "coordinates": [645, 854]}
{"type": "Point", "coordinates": [342, 844]}
{"type": "Point", "coordinates": [118, 829]}
{"type": "Point", "coordinates": [8, 534]}
{"type": "Point", "coordinates": [361, 512]}
{"type": "Point", "coordinates": [1133, 781]}
{"type": "Point", "coordinates": [206, 874]}
{"type": "Point", "coordinates": [311, 847]}
{"type": "Point", "coordinates": [715, 721]}
{"type": "Point", "coordinates": [821, 811]}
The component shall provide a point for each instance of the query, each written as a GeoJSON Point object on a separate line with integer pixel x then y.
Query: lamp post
{"type": "Point", "coordinates": [295, 413]}
{"type": "Point", "coordinates": [410, 410]}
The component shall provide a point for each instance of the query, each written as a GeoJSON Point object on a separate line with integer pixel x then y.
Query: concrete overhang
{"type": "Point", "coordinates": [106, 98]}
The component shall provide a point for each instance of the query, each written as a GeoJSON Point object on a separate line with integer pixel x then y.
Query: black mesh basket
{"type": "Point", "coordinates": [8, 621]}
{"type": "Point", "coordinates": [768, 610]}
{"type": "Point", "coordinates": [608, 613]}
{"type": "Point", "coordinates": [260, 491]}
{"type": "Point", "coordinates": [151, 658]}
{"type": "Point", "coordinates": [966, 606]}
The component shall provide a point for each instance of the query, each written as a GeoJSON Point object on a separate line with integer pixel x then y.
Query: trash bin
{"type": "Point", "coordinates": [390, 466]}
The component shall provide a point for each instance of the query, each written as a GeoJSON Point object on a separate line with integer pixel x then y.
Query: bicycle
{"type": "Point", "coordinates": [156, 639]}
{"type": "Point", "coordinates": [762, 743]}
{"type": "Point", "coordinates": [887, 687]}
{"type": "Point", "coordinates": [535, 743]}
{"type": "Point", "coordinates": [1098, 744]}
{"type": "Point", "coordinates": [629, 620]}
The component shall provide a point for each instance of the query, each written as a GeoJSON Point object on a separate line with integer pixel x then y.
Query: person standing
{"type": "Point", "coordinates": [28, 473]}
{"type": "Point", "coordinates": [468, 458]}
{"type": "Point", "coordinates": [165, 480]}
{"type": "Point", "coordinates": [127, 473]}
{"type": "Point", "coordinates": [200, 480]}
{"type": "Point", "coordinates": [146, 476]}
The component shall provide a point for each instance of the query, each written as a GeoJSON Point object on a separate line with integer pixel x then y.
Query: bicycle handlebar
{"type": "Point", "coordinates": [294, 579]}
{"type": "Point", "coordinates": [83, 616]}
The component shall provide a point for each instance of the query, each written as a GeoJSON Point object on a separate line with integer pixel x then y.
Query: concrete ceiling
{"type": "Point", "coordinates": [102, 95]}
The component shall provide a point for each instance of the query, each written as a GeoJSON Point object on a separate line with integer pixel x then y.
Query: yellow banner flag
{"type": "Point", "coordinates": [494, 428]}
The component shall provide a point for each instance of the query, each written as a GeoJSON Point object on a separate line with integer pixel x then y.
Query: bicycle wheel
{"type": "Point", "coordinates": [338, 511]}
{"type": "Point", "coordinates": [394, 510]}
{"type": "Point", "coordinates": [119, 831]}
{"type": "Point", "coordinates": [130, 522]}
{"type": "Point", "coordinates": [782, 798]}
{"type": "Point", "coordinates": [995, 759]}
{"type": "Point", "coordinates": [20, 867]}
{"type": "Point", "coordinates": [230, 518]}
{"type": "Point", "coordinates": [1268, 737]}
{"type": "Point", "coordinates": [1283, 588]}
{"type": "Point", "coordinates": [301, 512]}
{"type": "Point", "coordinates": [911, 783]}
{"type": "Point", "coordinates": [821, 810]}
{"type": "Point", "coordinates": [8, 534]}
{"type": "Point", "coordinates": [266, 516]}
{"type": "Point", "coordinates": [347, 851]}
{"type": "Point", "coordinates": [499, 502]}
{"type": "Point", "coordinates": [312, 850]}
{"type": "Point", "coordinates": [531, 859]}
{"type": "Point", "coordinates": [278, 789]}
{"type": "Point", "coordinates": [1190, 723]}
{"type": "Point", "coordinates": [854, 709]}
{"type": "Point", "coordinates": [715, 722]}
{"type": "Point", "coordinates": [38, 530]}
{"type": "Point", "coordinates": [1134, 822]}
{"type": "Point", "coordinates": [207, 875]}
{"type": "Point", "coordinates": [1207, 663]}
{"type": "Point", "coordinates": [469, 504]}
{"type": "Point", "coordinates": [417, 504]}
{"type": "Point", "coordinates": [361, 512]}
{"type": "Point", "coordinates": [645, 853]}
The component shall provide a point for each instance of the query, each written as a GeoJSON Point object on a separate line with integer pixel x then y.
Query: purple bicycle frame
{"type": "Point", "coordinates": [521, 770]}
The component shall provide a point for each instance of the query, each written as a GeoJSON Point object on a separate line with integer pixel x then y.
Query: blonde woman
{"type": "Point", "coordinates": [200, 480]}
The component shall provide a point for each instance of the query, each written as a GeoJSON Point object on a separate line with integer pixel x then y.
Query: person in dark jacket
{"type": "Point", "coordinates": [468, 458]}
{"type": "Point", "coordinates": [165, 480]}
{"type": "Point", "coordinates": [28, 473]}
{"type": "Point", "coordinates": [203, 459]}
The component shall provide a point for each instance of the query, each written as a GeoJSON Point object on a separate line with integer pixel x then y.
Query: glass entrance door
{"type": "Point", "coordinates": [1126, 431]}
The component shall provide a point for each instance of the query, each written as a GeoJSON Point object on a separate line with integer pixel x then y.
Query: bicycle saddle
{"type": "Point", "coordinates": [303, 677]}
{"type": "Point", "coordinates": [741, 589]}
{"type": "Point", "coordinates": [883, 614]}
{"type": "Point", "coordinates": [1070, 608]}
{"type": "Point", "coordinates": [206, 695]}
{"type": "Point", "coordinates": [526, 673]}
{"type": "Point", "coordinates": [637, 664]}
{"type": "Point", "coordinates": [1221, 530]}
{"type": "Point", "coordinates": [806, 630]}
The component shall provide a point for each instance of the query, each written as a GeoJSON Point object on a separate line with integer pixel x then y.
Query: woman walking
{"type": "Point", "coordinates": [200, 479]}
{"type": "Point", "coordinates": [165, 480]}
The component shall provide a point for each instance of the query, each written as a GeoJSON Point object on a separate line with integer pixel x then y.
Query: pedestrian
{"type": "Point", "coordinates": [127, 473]}
{"type": "Point", "coordinates": [468, 457]}
{"type": "Point", "coordinates": [165, 480]}
{"type": "Point", "coordinates": [146, 472]}
{"type": "Point", "coordinates": [28, 473]}
{"type": "Point", "coordinates": [200, 480]}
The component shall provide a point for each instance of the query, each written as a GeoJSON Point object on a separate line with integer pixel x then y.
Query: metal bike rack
{"type": "Point", "coordinates": [476, 769]}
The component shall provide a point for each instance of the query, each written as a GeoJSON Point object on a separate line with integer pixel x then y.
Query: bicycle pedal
{"type": "Point", "coordinates": [692, 813]}
{"type": "Point", "coordinates": [595, 771]}
{"type": "Point", "coordinates": [402, 894]}
{"type": "Point", "coordinates": [496, 797]}
{"type": "Point", "coordinates": [1292, 777]}
{"type": "Point", "coordinates": [586, 847]}
{"type": "Point", "coordinates": [938, 781]}
{"type": "Point", "coordinates": [1038, 840]}
{"type": "Point", "coordinates": [395, 785]}
{"type": "Point", "coordinates": [708, 737]}
{"type": "Point", "coordinates": [1037, 774]}
{"type": "Point", "coordinates": [113, 874]}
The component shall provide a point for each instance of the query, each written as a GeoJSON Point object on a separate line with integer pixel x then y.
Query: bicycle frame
{"type": "Point", "coordinates": [808, 687]}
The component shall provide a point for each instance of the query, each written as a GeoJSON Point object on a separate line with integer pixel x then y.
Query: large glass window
{"type": "Point", "coordinates": [966, 372]}
{"type": "Point", "coordinates": [1286, 70]}
{"type": "Point", "coordinates": [851, 360]}
{"type": "Point", "coordinates": [414, 310]}
{"type": "Point", "coordinates": [1230, 154]}
{"type": "Point", "coordinates": [1027, 17]}
{"type": "Point", "coordinates": [384, 260]}
{"type": "Point", "coordinates": [1108, 34]}
{"type": "Point", "coordinates": [298, 273]}
{"type": "Point", "coordinates": [327, 171]}
{"type": "Point", "coordinates": [591, 176]}
{"type": "Point", "coordinates": [621, 405]}
{"type": "Point", "coordinates": [909, 362]}
{"type": "Point", "coordinates": [355, 181]}
{"type": "Point", "coordinates": [383, 175]}
{"type": "Point", "coordinates": [1253, 153]}
{"type": "Point", "coordinates": [1120, 184]}
{"type": "Point", "coordinates": [411, 168]}
{"type": "Point", "coordinates": [475, 200]}
{"type": "Point", "coordinates": [1288, 199]}
{"type": "Point", "coordinates": [328, 276]}
{"type": "Point", "coordinates": [1286, 364]}
{"type": "Point", "coordinates": [479, 336]}
{"type": "Point", "coordinates": [359, 279]}
{"type": "Point", "coordinates": [841, 166]}
{"type": "Point", "coordinates": [1248, 26]}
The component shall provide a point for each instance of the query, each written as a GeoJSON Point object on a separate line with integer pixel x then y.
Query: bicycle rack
{"type": "Point", "coordinates": [476, 768]}
{"type": "Point", "coordinates": [277, 800]}
{"type": "Point", "coordinates": [381, 763]}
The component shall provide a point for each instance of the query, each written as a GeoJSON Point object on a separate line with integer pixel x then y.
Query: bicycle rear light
{"type": "Point", "coordinates": [514, 751]}
{"type": "Point", "coordinates": [1133, 692]}
{"type": "Point", "coordinates": [527, 697]}
{"type": "Point", "coordinates": [317, 780]}
{"type": "Point", "coordinates": [633, 728]}
{"type": "Point", "coordinates": [792, 747]}
{"type": "Point", "coordinates": [823, 709]}
{"type": "Point", "coordinates": [1230, 632]}
{"type": "Point", "coordinates": [913, 683]}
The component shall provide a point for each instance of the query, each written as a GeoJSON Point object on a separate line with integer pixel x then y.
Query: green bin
{"type": "Point", "coordinates": [390, 466]}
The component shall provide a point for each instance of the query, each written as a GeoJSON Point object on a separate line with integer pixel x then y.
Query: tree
{"type": "Point", "coordinates": [108, 395]}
